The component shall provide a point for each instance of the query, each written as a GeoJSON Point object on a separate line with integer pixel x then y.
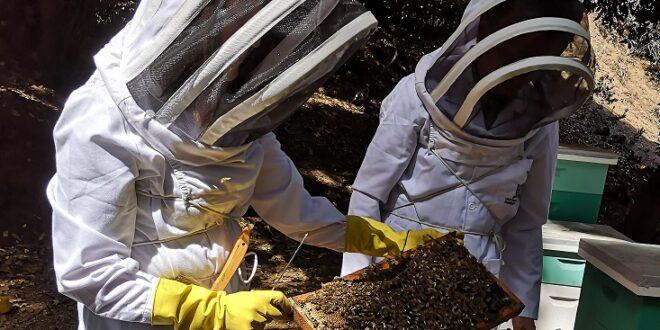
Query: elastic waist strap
{"type": "Point", "coordinates": [190, 234]}
{"type": "Point", "coordinates": [148, 194]}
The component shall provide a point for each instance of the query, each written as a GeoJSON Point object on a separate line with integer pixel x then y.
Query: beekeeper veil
{"type": "Point", "coordinates": [511, 66]}
{"type": "Point", "coordinates": [224, 72]}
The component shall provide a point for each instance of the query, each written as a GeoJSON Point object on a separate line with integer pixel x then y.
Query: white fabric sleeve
{"type": "Point", "coordinates": [94, 211]}
{"type": "Point", "coordinates": [523, 256]}
{"type": "Point", "coordinates": [390, 150]}
{"type": "Point", "coordinates": [281, 199]}
{"type": "Point", "coordinates": [387, 157]}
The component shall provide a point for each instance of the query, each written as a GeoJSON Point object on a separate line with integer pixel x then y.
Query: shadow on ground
{"type": "Point", "coordinates": [626, 188]}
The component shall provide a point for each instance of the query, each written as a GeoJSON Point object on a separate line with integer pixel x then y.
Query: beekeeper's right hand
{"type": "Point", "coordinates": [194, 307]}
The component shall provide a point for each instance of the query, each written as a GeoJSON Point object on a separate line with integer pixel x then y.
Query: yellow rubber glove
{"type": "Point", "coordinates": [194, 307]}
{"type": "Point", "coordinates": [376, 239]}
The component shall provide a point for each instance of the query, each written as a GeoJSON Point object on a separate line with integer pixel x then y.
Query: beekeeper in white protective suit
{"type": "Point", "coordinates": [166, 146]}
{"type": "Point", "coordinates": [469, 141]}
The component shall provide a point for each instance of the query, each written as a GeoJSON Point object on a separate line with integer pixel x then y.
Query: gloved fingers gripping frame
{"type": "Point", "coordinates": [513, 66]}
{"type": "Point", "coordinates": [240, 68]}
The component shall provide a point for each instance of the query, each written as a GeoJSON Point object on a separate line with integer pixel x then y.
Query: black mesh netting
{"type": "Point", "coordinates": [196, 43]}
{"type": "Point", "coordinates": [289, 41]}
{"type": "Point", "coordinates": [523, 102]}
{"type": "Point", "coordinates": [257, 70]}
{"type": "Point", "coordinates": [273, 116]}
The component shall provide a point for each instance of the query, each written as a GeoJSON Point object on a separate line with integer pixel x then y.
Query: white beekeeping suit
{"type": "Point", "coordinates": [469, 142]}
{"type": "Point", "coordinates": [168, 144]}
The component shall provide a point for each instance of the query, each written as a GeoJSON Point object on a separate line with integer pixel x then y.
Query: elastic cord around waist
{"type": "Point", "coordinates": [170, 239]}
{"type": "Point", "coordinates": [222, 218]}
{"type": "Point", "coordinates": [495, 236]}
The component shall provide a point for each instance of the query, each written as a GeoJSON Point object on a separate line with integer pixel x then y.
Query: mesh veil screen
{"type": "Point", "coordinates": [269, 119]}
{"type": "Point", "coordinates": [289, 41]}
{"type": "Point", "coordinates": [515, 107]}
{"type": "Point", "coordinates": [196, 43]}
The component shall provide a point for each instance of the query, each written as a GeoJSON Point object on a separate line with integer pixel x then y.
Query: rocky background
{"type": "Point", "coordinates": [46, 50]}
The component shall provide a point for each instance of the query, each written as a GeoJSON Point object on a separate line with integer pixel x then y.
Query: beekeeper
{"type": "Point", "coordinates": [469, 141]}
{"type": "Point", "coordinates": [169, 142]}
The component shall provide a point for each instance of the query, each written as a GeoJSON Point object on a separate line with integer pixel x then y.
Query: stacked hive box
{"type": "Point", "coordinates": [621, 287]}
{"type": "Point", "coordinates": [576, 195]}
{"type": "Point", "coordinates": [577, 191]}
{"type": "Point", "coordinates": [563, 270]}
{"type": "Point", "coordinates": [579, 183]}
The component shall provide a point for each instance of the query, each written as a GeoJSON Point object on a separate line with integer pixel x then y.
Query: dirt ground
{"type": "Point", "coordinates": [627, 92]}
{"type": "Point", "coordinates": [624, 117]}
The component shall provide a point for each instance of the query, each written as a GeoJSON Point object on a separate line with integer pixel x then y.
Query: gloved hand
{"type": "Point", "coordinates": [377, 239]}
{"type": "Point", "coordinates": [194, 307]}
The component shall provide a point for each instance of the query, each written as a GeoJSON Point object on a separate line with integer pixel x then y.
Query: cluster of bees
{"type": "Point", "coordinates": [438, 286]}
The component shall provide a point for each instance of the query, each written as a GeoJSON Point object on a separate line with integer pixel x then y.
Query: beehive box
{"type": "Point", "coordinates": [561, 263]}
{"type": "Point", "coordinates": [412, 291]}
{"type": "Point", "coordinates": [563, 270]}
{"type": "Point", "coordinates": [579, 183]}
{"type": "Point", "coordinates": [621, 288]}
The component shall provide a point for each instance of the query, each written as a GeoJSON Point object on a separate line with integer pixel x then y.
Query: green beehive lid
{"type": "Point", "coordinates": [636, 266]}
{"type": "Point", "coordinates": [621, 287]}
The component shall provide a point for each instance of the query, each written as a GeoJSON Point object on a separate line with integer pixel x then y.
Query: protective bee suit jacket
{"type": "Point", "coordinates": [454, 152]}
{"type": "Point", "coordinates": [142, 192]}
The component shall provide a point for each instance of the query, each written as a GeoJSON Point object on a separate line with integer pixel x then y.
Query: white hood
{"type": "Point", "coordinates": [199, 75]}
{"type": "Point", "coordinates": [510, 67]}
